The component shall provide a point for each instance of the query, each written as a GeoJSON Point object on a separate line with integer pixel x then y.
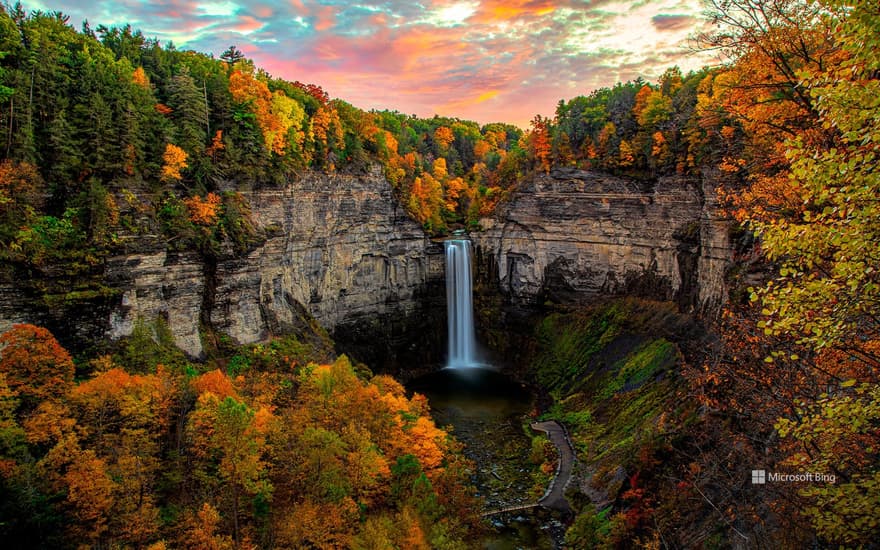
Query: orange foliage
{"type": "Point", "coordinates": [163, 109]}
{"type": "Point", "coordinates": [425, 443]}
{"type": "Point", "coordinates": [539, 142]}
{"type": "Point", "coordinates": [203, 211]}
{"type": "Point", "coordinates": [49, 423]}
{"type": "Point", "coordinates": [37, 368]}
{"type": "Point", "coordinates": [139, 77]}
{"type": "Point", "coordinates": [481, 149]}
{"type": "Point", "coordinates": [412, 536]}
{"type": "Point", "coordinates": [641, 100]}
{"type": "Point", "coordinates": [216, 144]}
{"type": "Point", "coordinates": [141, 399]}
{"type": "Point", "coordinates": [89, 494]}
{"type": "Point", "coordinates": [20, 182]}
{"type": "Point", "coordinates": [200, 530]}
{"type": "Point", "coordinates": [273, 123]}
{"type": "Point", "coordinates": [174, 161]}
{"type": "Point", "coordinates": [659, 148]}
{"type": "Point", "coordinates": [627, 156]}
{"type": "Point", "coordinates": [323, 526]}
{"type": "Point", "coordinates": [327, 128]}
{"type": "Point", "coordinates": [215, 382]}
{"type": "Point", "coordinates": [444, 137]}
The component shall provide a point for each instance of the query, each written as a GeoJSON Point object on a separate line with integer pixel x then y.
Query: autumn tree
{"type": "Point", "coordinates": [174, 161]}
{"type": "Point", "coordinates": [539, 142]}
{"type": "Point", "coordinates": [805, 357]}
{"type": "Point", "coordinates": [36, 367]}
{"type": "Point", "coordinates": [204, 211]}
{"type": "Point", "coordinates": [225, 431]}
{"type": "Point", "coordinates": [444, 137]}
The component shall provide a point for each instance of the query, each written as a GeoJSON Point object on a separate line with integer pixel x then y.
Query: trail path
{"type": "Point", "coordinates": [554, 497]}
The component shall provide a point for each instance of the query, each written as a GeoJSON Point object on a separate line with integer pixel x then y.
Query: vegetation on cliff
{"type": "Point", "coordinates": [108, 135]}
{"type": "Point", "coordinates": [792, 385]}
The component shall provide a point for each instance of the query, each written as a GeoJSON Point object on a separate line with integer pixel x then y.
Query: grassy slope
{"type": "Point", "coordinates": [612, 371]}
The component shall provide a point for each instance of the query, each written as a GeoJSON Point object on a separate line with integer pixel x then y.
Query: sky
{"type": "Point", "coordinates": [483, 60]}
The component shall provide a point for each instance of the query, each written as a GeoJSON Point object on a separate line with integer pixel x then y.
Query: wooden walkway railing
{"type": "Point", "coordinates": [553, 497]}
{"type": "Point", "coordinates": [511, 509]}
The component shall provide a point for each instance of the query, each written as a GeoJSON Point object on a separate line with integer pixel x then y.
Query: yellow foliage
{"type": "Point", "coordinates": [175, 161]}
{"type": "Point", "coordinates": [444, 137]}
{"type": "Point", "coordinates": [140, 78]}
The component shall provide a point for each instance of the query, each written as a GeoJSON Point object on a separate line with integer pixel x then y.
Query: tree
{"type": "Point", "coordinates": [190, 113]}
{"type": "Point", "coordinates": [225, 431]}
{"type": "Point", "coordinates": [174, 161]}
{"type": "Point", "coordinates": [203, 211]}
{"type": "Point", "coordinates": [539, 144]}
{"type": "Point", "coordinates": [37, 368]}
{"type": "Point", "coordinates": [444, 137]}
{"type": "Point", "coordinates": [232, 55]}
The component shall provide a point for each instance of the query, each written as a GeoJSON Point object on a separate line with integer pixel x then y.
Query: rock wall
{"type": "Point", "coordinates": [572, 235]}
{"type": "Point", "coordinates": [336, 248]}
{"type": "Point", "coordinates": [339, 249]}
{"type": "Point", "coordinates": [343, 250]}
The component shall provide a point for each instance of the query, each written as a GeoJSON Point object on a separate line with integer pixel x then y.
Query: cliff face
{"type": "Point", "coordinates": [571, 236]}
{"type": "Point", "coordinates": [343, 251]}
{"type": "Point", "coordinates": [337, 248]}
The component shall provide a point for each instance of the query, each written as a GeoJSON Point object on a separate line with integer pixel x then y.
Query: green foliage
{"type": "Point", "coordinates": [842, 512]}
{"type": "Point", "coordinates": [235, 222]}
{"type": "Point", "coordinates": [640, 365]}
{"type": "Point", "coordinates": [569, 341]}
{"type": "Point", "coordinates": [151, 343]}
{"type": "Point", "coordinates": [281, 354]}
{"type": "Point", "coordinates": [51, 240]}
{"type": "Point", "coordinates": [589, 530]}
{"type": "Point", "coordinates": [828, 286]}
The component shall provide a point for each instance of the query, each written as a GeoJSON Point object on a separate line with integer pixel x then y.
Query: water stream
{"type": "Point", "coordinates": [486, 411]}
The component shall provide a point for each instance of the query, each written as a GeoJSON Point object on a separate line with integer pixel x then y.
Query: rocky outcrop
{"type": "Point", "coordinates": [344, 251]}
{"type": "Point", "coordinates": [571, 235]}
{"type": "Point", "coordinates": [336, 248]}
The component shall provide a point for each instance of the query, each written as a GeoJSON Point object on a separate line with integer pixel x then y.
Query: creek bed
{"type": "Point", "coordinates": [486, 411]}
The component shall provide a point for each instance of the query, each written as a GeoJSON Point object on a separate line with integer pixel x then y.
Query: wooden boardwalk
{"type": "Point", "coordinates": [554, 496]}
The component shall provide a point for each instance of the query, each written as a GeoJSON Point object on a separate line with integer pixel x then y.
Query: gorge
{"type": "Point", "coordinates": [335, 247]}
{"type": "Point", "coordinates": [229, 300]}
{"type": "Point", "coordinates": [336, 252]}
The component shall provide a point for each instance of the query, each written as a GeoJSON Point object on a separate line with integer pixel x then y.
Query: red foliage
{"type": "Point", "coordinates": [315, 91]}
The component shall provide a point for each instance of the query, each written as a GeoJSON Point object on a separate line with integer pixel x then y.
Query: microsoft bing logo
{"type": "Point", "coordinates": [759, 477]}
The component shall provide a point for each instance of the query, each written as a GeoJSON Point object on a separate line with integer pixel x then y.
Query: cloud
{"type": "Point", "coordinates": [487, 60]}
{"type": "Point", "coordinates": [664, 22]}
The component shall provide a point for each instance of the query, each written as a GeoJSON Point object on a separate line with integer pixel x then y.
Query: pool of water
{"type": "Point", "coordinates": [486, 411]}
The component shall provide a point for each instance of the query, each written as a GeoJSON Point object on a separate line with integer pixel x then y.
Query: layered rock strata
{"type": "Point", "coordinates": [571, 236]}
{"type": "Point", "coordinates": [336, 248]}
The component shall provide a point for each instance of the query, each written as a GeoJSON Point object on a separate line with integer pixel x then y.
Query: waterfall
{"type": "Point", "coordinates": [459, 304]}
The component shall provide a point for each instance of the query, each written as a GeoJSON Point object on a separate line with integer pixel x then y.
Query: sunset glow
{"type": "Point", "coordinates": [486, 60]}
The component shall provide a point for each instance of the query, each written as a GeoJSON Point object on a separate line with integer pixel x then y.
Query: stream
{"type": "Point", "coordinates": [487, 411]}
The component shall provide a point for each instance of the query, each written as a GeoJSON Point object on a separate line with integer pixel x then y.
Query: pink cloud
{"type": "Point", "coordinates": [247, 23]}
{"type": "Point", "coordinates": [263, 12]}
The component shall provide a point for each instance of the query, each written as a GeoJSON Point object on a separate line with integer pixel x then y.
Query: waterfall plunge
{"type": "Point", "coordinates": [459, 304]}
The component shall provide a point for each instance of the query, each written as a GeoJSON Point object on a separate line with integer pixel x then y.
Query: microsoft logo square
{"type": "Point", "coordinates": [759, 477]}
